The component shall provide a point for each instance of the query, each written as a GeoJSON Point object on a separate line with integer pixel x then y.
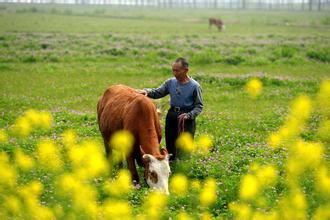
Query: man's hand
{"type": "Point", "coordinates": [143, 92]}
{"type": "Point", "coordinates": [184, 116]}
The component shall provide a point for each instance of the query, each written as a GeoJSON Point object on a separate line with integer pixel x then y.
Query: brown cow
{"type": "Point", "coordinates": [122, 108]}
{"type": "Point", "coordinates": [217, 22]}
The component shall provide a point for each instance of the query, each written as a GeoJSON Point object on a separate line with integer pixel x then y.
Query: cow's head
{"type": "Point", "coordinates": [157, 171]}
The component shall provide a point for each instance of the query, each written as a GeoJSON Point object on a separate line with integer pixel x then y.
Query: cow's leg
{"type": "Point", "coordinates": [132, 169]}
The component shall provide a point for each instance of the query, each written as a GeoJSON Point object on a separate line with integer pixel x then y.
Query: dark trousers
{"type": "Point", "coordinates": [171, 130]}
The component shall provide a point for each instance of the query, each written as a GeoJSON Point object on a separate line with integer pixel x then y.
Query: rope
{"type": "Point", "coordinates": [180, 125]}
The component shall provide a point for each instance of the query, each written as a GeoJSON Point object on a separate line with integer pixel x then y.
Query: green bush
{"type": "Point", "coordinates": [29, 59]}
{"type": "Point", "coordinates": [322, 55]}
{"type": "Point", "coordinates": [234, 59]}
{"type": "Point", "coordinates": [285, 51]}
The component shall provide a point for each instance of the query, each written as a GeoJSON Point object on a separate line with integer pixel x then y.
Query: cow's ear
{"type": "Point", "coordinates": [148, 157]}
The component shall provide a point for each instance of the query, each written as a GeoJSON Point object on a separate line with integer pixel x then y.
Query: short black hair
{"type": "Point", "coordinates": [183, 62]}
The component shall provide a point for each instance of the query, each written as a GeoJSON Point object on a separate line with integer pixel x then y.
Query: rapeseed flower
{"type": "Point", "coordinates": [117, 210]}
{"type": "Point", "coordinates": [208, 194]}
{"type": "Point", "coordinates": [23, 161]}
{"type": "Point", "coordinates": [249, 187]}
{"type": "Point", "coordinates": [195, 184]}
{"type": "Point", "coordinates": [241, 210]}
{"type": "Point", "coordinates": [186, 142]}
{"type": "Point", "coordinates": [179, 184]}
{"type": "Point", "coordinates": [122, 185]}
{"type": "Point", "coordinates": [254, 87]}
{"type": "Point", "coordinates": [3, 136]}
{"type": "Point", "coordinates": [122, 144]}
{"type": "Point", "coordinates": [204, 143]}
{"type": "Point", "coordinates": [155, 203]}
{"type": "Point", "coordinates": [69, 138]}
{"type": "Point", "coordinates": [49, 156]}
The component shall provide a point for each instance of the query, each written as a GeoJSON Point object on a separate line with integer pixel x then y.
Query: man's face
{"type": "Point", "coordinates": [178, 70]}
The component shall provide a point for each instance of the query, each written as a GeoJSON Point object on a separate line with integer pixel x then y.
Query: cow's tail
{"type": "Point", "coordinates": [107, 148]}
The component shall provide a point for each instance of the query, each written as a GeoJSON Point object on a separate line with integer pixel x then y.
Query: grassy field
{"type": "Point", "coordinates": [61, 59]}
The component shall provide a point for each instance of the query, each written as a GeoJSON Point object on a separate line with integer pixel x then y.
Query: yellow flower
{"type": "Point", "coordinates": [323, 212]}
{"type": "Point", "coordinates": [205, 143]}
{"type": "Point", "coordinates": [48, 155]}
{"type": "Point", "coordinates": [185, 142]}
{"type": "Point", "coordinates": [274, 140]}
{"type": "Point", "coordinates": [36, 187]}
{"type": "Point", "coordinates": [33, 116]}
{"type": "Point", "coordinates": [69, 138]}
{"type": "Point", "coordinates": [195, 184]}
{"type": "Point", "coordinates": [254, 87]}
{"type": "Point", "coordinates": [210, 183]}
{"type": "Point", "coordinates": [323, 180]}
{"type": "Point", "coordinates": [298, 200]}
{"type": "Point", "coordinates": [31, 191]}
{"type": "Point", "coordinates": [307, 154]}
{"type": "Point", "coordinates": [3, 136]}
{"type": "Point", "coordinates": [22, 127]}
{"type": "Point", "coordinates": [294, 168]}
{"type": "Point", "coordinates": [8, 173]}
{"type": "Point", "coordinates": [12, 204]}
{"type": "Point", "coordinates": [88, 160]}
{"type": "Point", "coordinates": [46, 119]}
{"type": "Point", "coordinates": [207, 197]}
{"type": "Point", "coordinates": [249, 187]}
{"type": "Point", "coordinates": [301, 107]}
{"type": "Point", "coordinates": [120, 186]}
{"type": "Point", "coordinates": [242, 211]}
{"type": "Point", "coordinates": [209, 193]}
{"type": "Point", "coordinates": [122, 142]}
{"type": "Point", "coordinates": [179, 184]}
{"type": "Point", "coordinates": [154, 204]}
{"type": "Point", "coordinates": [206, 216]}
{"type": "Point", "coordinates": [68, 183]}
{"type": "Point", "coordinates": [323, 131]}
{"type": "Point", "coordinates": [23, 161]}
{"type": "Point", "coordinates": [266, 175]}
{"type": "Point", "coordinates": [43, 213]}
{"type": "Point", "coordinates": [183, 216]}
{"type": "Point", "coordinates": [117, 210]}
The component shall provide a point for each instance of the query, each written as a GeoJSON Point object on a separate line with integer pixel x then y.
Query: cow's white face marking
{"type": "Point", "coordinates": [158, 172]}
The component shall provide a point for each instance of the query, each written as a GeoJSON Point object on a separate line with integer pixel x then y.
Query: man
{"type": "Point", "coordinates": [185, 100]}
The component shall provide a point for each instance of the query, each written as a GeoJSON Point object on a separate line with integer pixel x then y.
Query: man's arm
{"type": "Point", "coordinates": [158, 92]}
{"type": "Point", "coordinates": [198, 104]}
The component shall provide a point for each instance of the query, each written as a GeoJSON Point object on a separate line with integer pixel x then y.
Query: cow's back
{"type": "Point", "coordinates": [121, 107]}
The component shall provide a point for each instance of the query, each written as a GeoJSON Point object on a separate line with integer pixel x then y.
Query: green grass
{"type": "Point", "coordinates": [61, 59]}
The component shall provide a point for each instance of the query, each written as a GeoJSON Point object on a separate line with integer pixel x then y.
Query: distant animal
{"type": "Point", "coordinates": [122, 108]}
{"type": "Point", "coordinates": [218, 23]}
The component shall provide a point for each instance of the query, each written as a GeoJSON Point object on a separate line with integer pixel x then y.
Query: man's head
{"type": "Point", "coordinates": [180, 68]}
